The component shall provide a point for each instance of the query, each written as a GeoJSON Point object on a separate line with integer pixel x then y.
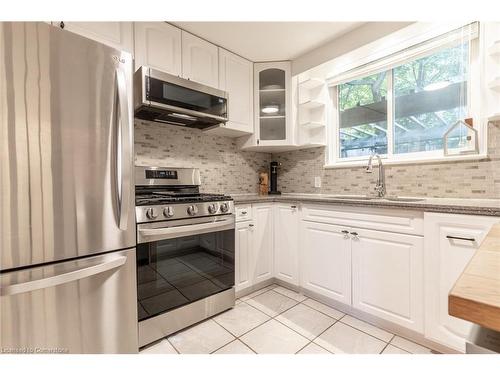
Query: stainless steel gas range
{"type": "Point", "coordinates": [185, 251]}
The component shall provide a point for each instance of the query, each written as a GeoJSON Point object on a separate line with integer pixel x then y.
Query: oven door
{"type": "Point", "coordinates": [182, 261]}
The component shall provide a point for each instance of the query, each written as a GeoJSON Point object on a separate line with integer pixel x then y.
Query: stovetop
{"type": "Point", "coordinates": [156, 198]}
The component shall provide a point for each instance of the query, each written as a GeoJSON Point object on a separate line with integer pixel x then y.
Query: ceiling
{"type": "Point", "coordinates": [268, 41]}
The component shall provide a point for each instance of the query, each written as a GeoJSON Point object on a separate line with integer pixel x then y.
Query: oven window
{"type": "Point", "coordinates": [172, 273]}
{"type": "Point", "coordinates": [178, 96]}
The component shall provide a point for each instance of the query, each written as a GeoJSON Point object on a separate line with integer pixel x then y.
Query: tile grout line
{"type": "Point", "coordinates": [416, 343]}
{"type": "Point", "coordinates": [336, 321]}
{"type": "Point", "coordinates": [326, 329]}
{"type": "Point", "coordinates": [224, 328]}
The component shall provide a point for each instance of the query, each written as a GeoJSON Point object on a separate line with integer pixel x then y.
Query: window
{"type": "Point", "coordinates": [362, 107]}
{"type": "Point", "coordinates": [403, 112]}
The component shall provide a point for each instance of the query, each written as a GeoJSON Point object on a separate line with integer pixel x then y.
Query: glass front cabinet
{"type": "Point", "coordinates": [273, 110]}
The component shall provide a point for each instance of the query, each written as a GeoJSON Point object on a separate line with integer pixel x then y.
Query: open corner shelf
{"type": "Point", "coordinates": [311, 83]}
{"type": "Point", "coordinates": [311, 104]}
{"type": "Point", "coordinates": [313, 125]}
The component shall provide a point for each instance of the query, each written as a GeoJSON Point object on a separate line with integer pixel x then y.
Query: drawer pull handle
{"type": "Point", "coordinates": [244, 212]}
{"type": "Point", "coordinates": [250, 225]}
{"type": "Point", "coordinates": [354, 233]}
{"type": "Point", "coordinates": [345, 231]}
{"type": "Point", "coordinates": [461, 238]}
{"type": "Point", "coordinates": [293, 206]}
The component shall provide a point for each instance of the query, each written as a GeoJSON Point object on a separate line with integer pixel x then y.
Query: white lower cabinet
{"type": "Point", "coordinates": [262, 251]}
{"type": "Point", "coordinates": [325, 265]}
{"type": "Point", "coordinates": [403, 278]}
{"type": "Point", "coordinates": [254, 247]}
{"type": "Point", "coordinates": [243, 256]}
{"type": "Point", "coordinates": [387, 276]}
{"type": "Point", "coordinates": [286, 243]}
{"type": "Point", "coordinates": [450, 243]}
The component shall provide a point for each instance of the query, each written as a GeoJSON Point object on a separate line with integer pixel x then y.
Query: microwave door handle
{"type": "Point", "coordinates": [63, 278]}
{"type": "Point", "coordinates": [124, 150]}
{"type": "Point", "coordinates": [185, 229]}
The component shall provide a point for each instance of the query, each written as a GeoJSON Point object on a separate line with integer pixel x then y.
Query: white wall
{"type": "Point", "coordinates": [360, 36]}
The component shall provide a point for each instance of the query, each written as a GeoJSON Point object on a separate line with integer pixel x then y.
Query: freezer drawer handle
{"type": "Point", "coordinates": [63, 278]}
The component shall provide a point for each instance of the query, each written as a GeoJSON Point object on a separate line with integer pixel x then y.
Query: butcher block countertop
{"type": "Point", "coordinates": [476, 294]}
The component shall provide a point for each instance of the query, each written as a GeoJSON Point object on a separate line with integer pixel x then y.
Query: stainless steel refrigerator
{"type": "Point", "coordinates": [67, 224]}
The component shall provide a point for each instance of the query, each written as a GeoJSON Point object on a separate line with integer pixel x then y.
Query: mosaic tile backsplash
{"type": "Point", "coordinates": [223, 168]}
{"type": "Point", "coordinates": [469, 179]}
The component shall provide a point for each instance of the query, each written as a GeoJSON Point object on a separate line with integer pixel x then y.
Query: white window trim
{"type": "Point", "coordinates": [332, 158]}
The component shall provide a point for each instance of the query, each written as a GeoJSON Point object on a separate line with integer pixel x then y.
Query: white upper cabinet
{"type": "Point", "coordinates": [273, 125]}
{"type": "Point", "coordinates": [158, 45]}
{"type": "Point", "coordinates": [387, 276]}
{"type": "Point", "coordinates": [236, 78]}
{"type": "Point", "coordinates": [200, 60]}
{"type": "Point", "coordinates": [119, 35]}
{"type": "Point", "coordinates": [450, 243]}
{"type": "Point", "coordinates": [286, 243]}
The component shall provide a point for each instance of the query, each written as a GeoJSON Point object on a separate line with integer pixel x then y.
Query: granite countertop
{"type": "Point", "coordinates": [489, 207]}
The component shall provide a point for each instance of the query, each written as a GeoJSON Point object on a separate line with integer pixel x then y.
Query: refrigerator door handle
{"type": "Point", "coordinates": [63, 278]}
{"type": "Point", "coordinates": [124, 150]}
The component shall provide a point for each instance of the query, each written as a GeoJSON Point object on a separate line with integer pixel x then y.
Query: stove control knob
{"type": "Point", "coordinates": [152, 213]}
{"type": "Point", "coordinates": [168, 212]}
{"type": "Point", "coordinates": [192, 210]}
{"type": "Point", "coordinates": [212, 208]}
{"type": "Point", "coordinates": [224, 207]}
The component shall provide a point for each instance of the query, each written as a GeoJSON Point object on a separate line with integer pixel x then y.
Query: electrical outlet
{"type": "Point", "coordinates": [317, 182]}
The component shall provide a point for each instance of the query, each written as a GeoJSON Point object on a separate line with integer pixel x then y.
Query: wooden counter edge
{"type": "Point", "coordinates": [485, 314]}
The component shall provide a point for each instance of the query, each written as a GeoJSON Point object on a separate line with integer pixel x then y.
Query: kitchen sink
{"type": "Point", "coordinates": [353, 197]}
{"type": "Point", "coordinates": [399, 199]}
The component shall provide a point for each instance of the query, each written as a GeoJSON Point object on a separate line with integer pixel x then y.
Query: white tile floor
{"type": "Point", "coordinates": [278, 320]}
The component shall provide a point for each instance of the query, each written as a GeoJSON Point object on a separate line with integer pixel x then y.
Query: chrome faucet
{"type": "Point", "coordinates": [380, 187]}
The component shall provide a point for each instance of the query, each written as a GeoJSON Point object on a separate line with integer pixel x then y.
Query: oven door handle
{"type": "Point", "coordinates": [186, 230]}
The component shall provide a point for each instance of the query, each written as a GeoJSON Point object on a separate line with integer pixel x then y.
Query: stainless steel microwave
{"type": "Point", "coordinates": [165, 98]}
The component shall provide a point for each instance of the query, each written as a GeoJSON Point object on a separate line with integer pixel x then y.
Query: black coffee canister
{"type": "Point", "coordinates": [274, 178]}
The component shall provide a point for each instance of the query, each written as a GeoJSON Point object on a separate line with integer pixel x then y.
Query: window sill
{"type": "Point", "coordinates": [438, 159]}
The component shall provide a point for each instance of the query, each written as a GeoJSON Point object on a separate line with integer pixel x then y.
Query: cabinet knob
{"type": "Point", "coordinates": [294, 207]}
{"type": "Point", "coordinates": [354, 235]}
{"type": "Point", "coordinates": [250, 225]}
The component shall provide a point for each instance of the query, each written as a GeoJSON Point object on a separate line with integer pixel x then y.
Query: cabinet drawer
{"type": "Point", "coordinates": [243, 212]}
{"type": "Point", "coordinates": [389, 220]}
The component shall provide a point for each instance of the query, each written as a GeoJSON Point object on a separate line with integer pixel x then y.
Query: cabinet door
{"type": "Point", "coordinates": [325, 254]}
{"type": "Point", "coordinates": [286, 246]}
{"type": "Point", "coordinates": [200, 60]}
{"type": "Point", "coordinates": [118, 35]}
{"type": "Point", "coordinates": [243, 257]}
{"type": "Point", "coordinates": [445, 259]}
{"type": "Point", "coordinates": [272, 102]}
{"type": "Point", "coordinates": [262, 253]}
{"type": "Point", "coordinates": [236, 78]}
{"type": "Point", "coordinates": [387, 276]}
{"type": "Point", "coordinates": [158, 45]}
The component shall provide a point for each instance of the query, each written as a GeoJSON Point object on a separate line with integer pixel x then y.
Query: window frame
{"type": "Point", "coordinates": [333, 159]}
